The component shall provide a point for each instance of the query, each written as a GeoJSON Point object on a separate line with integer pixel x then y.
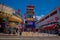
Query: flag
{"type": "Point", "coordinates": [19, 11]}
{"type": "Point", "coordinates": [24, 16]}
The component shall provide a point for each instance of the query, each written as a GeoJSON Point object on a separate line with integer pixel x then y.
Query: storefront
{"type": "Point", "coordinates": [7, 19]}
{"type": "Point", "coordinates": [48, 22]}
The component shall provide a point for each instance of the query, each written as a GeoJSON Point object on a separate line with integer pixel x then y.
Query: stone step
{"type": "Point", "coordinates": [37, 34]}
{"type": "Point", "coordinates": [29, 34]}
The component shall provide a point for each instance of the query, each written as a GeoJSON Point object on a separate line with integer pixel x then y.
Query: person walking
{"type": "Point", "coordinates": [12, 30]}
{"type": "Point", "coordinates": [19, 31]}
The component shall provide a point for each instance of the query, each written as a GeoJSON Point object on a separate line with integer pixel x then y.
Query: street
{"type": "Point", "coordinates": [30, 38]}
{"type": "Point", "coordinates": [15, 37]}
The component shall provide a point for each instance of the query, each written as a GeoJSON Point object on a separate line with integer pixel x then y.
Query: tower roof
{"type": "Point", "coordinates": [30, 7]}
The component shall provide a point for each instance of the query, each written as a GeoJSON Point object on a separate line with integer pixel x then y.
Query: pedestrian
{"type": "Point", "coordinates": [12, 30]}
{"type": "Point", "coordinates": [0, 28]}
{"type": "Point", "coordinates": [19, 29]}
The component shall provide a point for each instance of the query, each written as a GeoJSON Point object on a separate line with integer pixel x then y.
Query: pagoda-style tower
{"type": "Point", "coordinates": [29, 18]}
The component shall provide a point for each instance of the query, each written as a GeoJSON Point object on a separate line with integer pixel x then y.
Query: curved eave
{"type": "Point", "coordinates": [14, 18]}
{"type": "Point", "coordinates": [11, 17]}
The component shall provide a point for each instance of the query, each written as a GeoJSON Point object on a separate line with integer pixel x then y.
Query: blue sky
{"type": "Point", "coordinates": [42, 7]}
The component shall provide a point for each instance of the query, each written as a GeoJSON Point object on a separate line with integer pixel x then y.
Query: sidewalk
{"type": "Point", "coordinates": [37, 34]}
{"type": "Point", "coordinates": [2, 34]}
{"type": "Point", "coordinates": [29, 34]}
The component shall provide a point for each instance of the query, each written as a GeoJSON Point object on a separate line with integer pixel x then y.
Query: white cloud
{"type": "Point", "coordinates": [39, 17]}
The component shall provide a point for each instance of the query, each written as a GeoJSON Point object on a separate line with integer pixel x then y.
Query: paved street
{"type": "Point", "coordinates": [16, 37]}
{"type": "Point", "coordinates": [30, 38]}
